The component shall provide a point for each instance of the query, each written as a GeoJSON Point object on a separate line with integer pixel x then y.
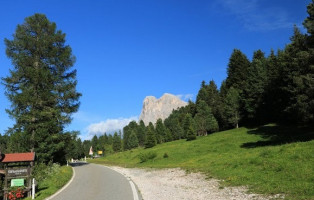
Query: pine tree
{"type": "Point", "coordinates": [86, 145]}
{"type": "Point", "coordinates": [126, 135]}
{"type": "Point", "coordinates": [127, 130]}
{"type": "Point", "coordinates": [214, 102]}
{"type": "Point", "coordinates": [204, 119]}
{"type": "Point", "coordinates": [237, 70]}
{"type": "Point", "coordinates": [110, 139]}
{"type": "Point", "coordinates": [223, 121]}
{"type": "Point", "coordinates": [172, 123]}
{"type": "Point", "coordinates": [190, 134]}
{"type": "Point", "coordinates": [160, 131]}
{"type": "Point", "coordinates": [141, 131]}
{"type": "Point", "coordinates": [272, 97]}
{"type": "Point", "coordinates": [168, 136]}
{"type": "Point", "coordinates": [41, 86]}
{"type": "Point", "coordinates": [73, 148]}
{"type": "Point", "coordinates": [116, 145]}
{"type": "Point", "coordinates": [202, 93]}
{"type": "Point", "coordinates": [132, 140]}
{"type": "Point", "coordinates": [95, 143]}
{"type": "Point", "coordinates": [79, 146]}
{"type": "Point", "coordinates": [223, 89]}
{"type": "Point", "coordinates": [237, 75]}
{"type": "Point", "coordinates": [255, 88]}
{"type": "Point", "coordinates": [309, 78]}
{"type": "Point", "coordinates": [232, 106]}
{"type": "Point", "coordinates": [150, 136]}
{"type": "Point", "coordinates": [178, 132]}
{"type": "Point", "coordinates": [297, 80]}
{"type": "Point", "coordinates": [102, 141]}
{"type": "Point", "coordinates": [309, 22]}
{"type": "Point", "coordinates": [188, 124]}
{"type": "Point", "coordinates": [4, 142]}
{"type": "Point", "coordinates": [191, 108]}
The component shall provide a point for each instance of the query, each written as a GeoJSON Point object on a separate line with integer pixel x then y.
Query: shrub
{"type": "Point", "coordinates": [165, 155]}
{"type": "Point", "coordinates": [43, 171]}
{"type": "Point", "coordinates": [147, 156]}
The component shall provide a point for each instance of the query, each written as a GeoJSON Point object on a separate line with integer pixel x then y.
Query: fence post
{"type": "Point", "coordinates": [33, 189]}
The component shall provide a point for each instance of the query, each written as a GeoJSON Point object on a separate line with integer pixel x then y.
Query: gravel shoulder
{"type": "Point", "coordinates": [176, 184]}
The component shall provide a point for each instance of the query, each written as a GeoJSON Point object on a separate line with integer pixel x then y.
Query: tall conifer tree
{"type": "Point", "coordinates": [237, 70]}
{"type": "Point", "coordinates": [127, 130]}
{"type": "Point", "coordinates": [151, 140]}
{"type": "Point", "coordinates": [255, 88]}
{"type": "Point", "coordinates": [232, 107]}
{"type": "Point", "coordinates": [272, 97]}
{"type": "Point", "coordinates": [188, 124]}
{"type": "Point", "coordinates": [116, 142]}
{"type": "Point", "coordinates": [205, 121]}
{"type": "Point", "coordinates": [160, 131]}
{"type": "Point", "coordinates": [41, 86]}
{"type": "Point", "coordinates": [132, 140]}
{"type": "Point", "coordinates": [309, 25]}
{"type": "Point", "coordinates": [141, 133]}
{"type": "Point", "coordinates": [297, 80]}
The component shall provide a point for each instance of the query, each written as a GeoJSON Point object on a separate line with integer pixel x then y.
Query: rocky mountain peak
{"type": "Point", "coordinates": [154, 108]}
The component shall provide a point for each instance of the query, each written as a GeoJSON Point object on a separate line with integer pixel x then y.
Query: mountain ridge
{"type": "Point", "coordinates": [154, 108]}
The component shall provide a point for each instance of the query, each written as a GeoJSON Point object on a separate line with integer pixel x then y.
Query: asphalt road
{"type": "Point", "coordinates": [96, 182]}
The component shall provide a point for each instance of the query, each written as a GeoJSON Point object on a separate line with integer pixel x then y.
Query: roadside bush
{"type": "Point", "coordinates": [147, 156]}
{"type": "Point", "coordinates": [43, 171]}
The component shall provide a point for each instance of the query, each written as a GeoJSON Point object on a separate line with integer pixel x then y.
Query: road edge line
{"type": "Point", "coordinates": [134, 190]}
{"type": "Point", "coordinates": [64, 187]}
{"type": "Point", "coordinates": [132, 184]}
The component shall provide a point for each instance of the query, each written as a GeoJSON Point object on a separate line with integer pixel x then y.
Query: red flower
{"type": "Point", "coordinates": [15, 194]}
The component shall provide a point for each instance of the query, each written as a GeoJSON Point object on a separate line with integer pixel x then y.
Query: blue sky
{"type": "Point", "coordinates": [128, 49]}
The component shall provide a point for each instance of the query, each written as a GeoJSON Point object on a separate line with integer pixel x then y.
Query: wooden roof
{"type": "Point", "coordinates": [18, 157]}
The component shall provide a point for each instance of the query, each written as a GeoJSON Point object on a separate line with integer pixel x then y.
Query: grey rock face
{"type": "Point", "coordinates": [153, 108]}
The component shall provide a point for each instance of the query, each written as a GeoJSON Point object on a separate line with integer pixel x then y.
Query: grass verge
{"type": "Point", "coordinates": [52, 181]}
{"type": "Point", "coordinates": [257, 158]}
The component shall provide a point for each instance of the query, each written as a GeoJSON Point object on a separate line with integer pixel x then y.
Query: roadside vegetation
{"type": "Point", "coordinates": [50, 179]}
{"type": "Point", "coordinates": [250, 157]}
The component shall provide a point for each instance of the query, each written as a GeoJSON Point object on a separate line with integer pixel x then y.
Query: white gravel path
{"type": "Point", "coordinates": [176, 184]}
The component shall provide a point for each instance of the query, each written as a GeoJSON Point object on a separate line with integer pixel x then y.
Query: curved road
{"type": "Point", "coordinates": [97, 182]}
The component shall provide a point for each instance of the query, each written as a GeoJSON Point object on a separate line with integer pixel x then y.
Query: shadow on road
{"type": "Point", "coordinates": [78, 164]}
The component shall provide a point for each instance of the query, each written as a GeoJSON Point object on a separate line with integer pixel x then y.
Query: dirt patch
{"type": "Point", "coordinates": [176, 184]}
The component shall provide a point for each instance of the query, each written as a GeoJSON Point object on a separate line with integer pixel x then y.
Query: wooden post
{"type": "Point", "coordinates": [29, 181]}
{"type": "Point", "coordinates": [33, 189]}
{"type": "Point", "coordinates": [5, 182]}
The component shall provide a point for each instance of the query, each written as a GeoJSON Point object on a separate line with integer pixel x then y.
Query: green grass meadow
{"type": "Point", "coordinates": [258, 158]}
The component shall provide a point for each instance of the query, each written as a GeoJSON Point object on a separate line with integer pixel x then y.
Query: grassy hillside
{"type": "Point", "coordinates": [258, 158]}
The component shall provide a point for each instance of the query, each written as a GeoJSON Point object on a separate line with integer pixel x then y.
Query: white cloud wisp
{"type": "Point", "coordinates": [256, 18]}
{"type": "Point", "coordinates": [185, 97]}
{"type": "Point", "coordinates": [108, 126]}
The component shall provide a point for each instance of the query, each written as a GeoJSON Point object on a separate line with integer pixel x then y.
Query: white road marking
{"type": "Point", "coordinates": [134, 190]}
{"type": "Point", "coordinates": [135, 195]}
